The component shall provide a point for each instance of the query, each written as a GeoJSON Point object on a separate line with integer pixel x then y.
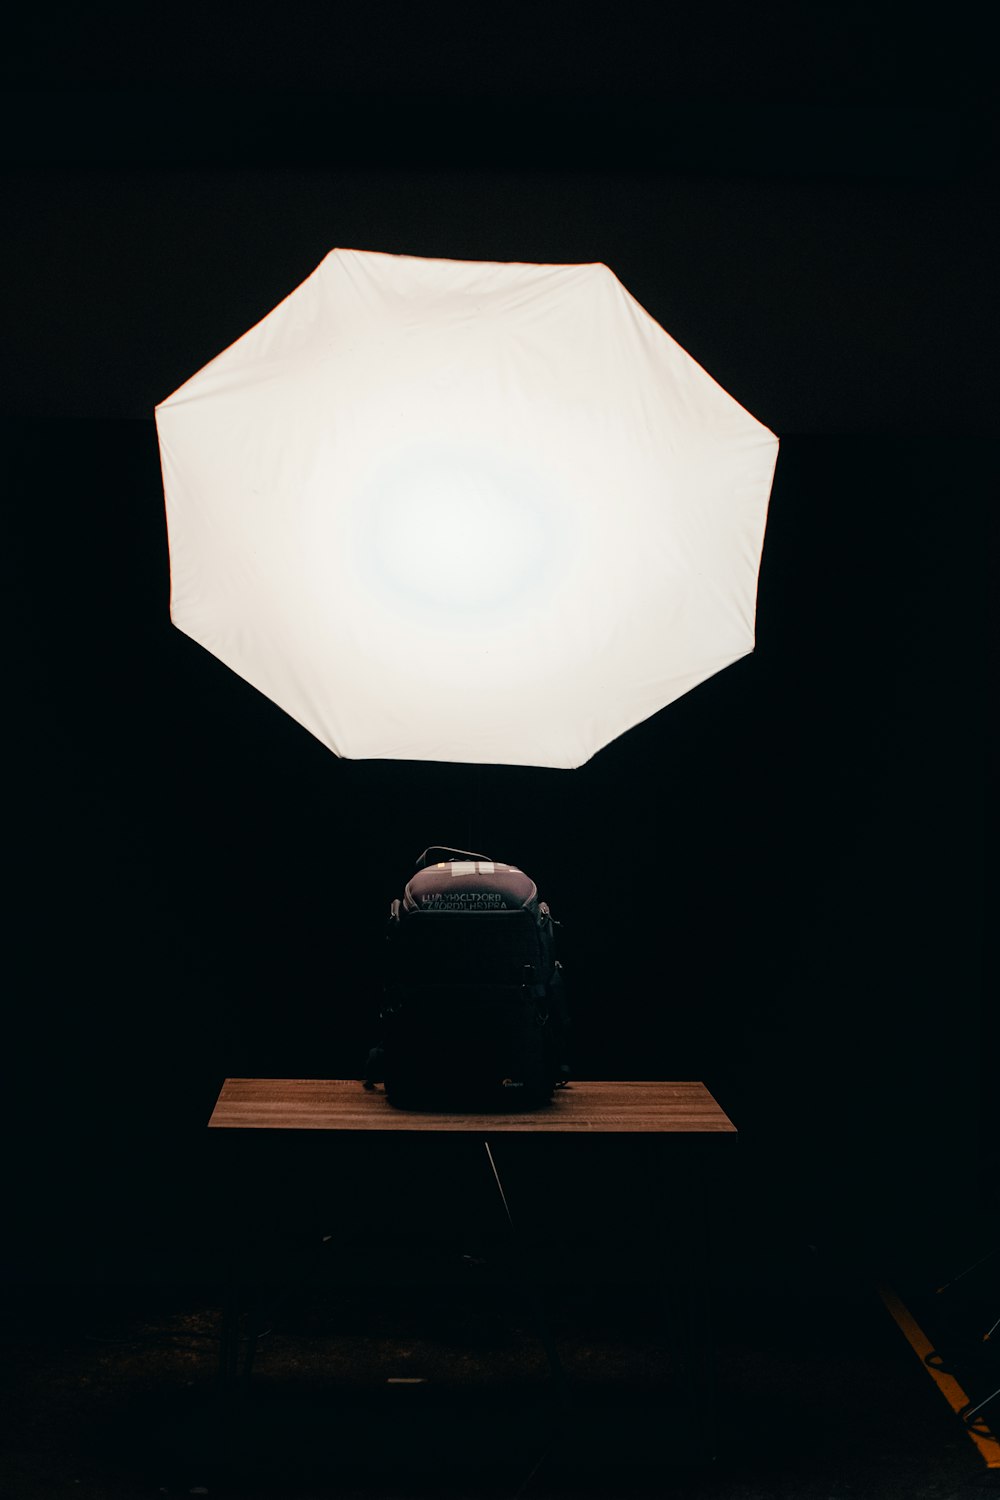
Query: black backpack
{"type": "Point", "coordinates": [473, 1014]}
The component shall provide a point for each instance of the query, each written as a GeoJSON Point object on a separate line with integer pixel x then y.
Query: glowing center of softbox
{"type": "Point", "coordinates": [456, 535]}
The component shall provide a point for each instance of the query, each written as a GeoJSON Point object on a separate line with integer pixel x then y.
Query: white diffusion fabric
{"type": "Point", "coordinates": [464, 511]}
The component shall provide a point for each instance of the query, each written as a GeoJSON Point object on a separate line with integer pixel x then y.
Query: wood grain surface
{"type": "Point", "coordinates": [585, 1107]}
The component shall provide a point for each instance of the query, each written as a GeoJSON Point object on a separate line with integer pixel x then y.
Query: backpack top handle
{"type": "Point", "coordinates": [439, 854]}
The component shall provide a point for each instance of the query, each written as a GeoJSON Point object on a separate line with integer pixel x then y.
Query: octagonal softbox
{"type": "Point", "coordinates": [464, 511]}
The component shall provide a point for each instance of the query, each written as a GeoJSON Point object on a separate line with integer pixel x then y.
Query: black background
{"type": "Point", "coordinates": [776, 884]}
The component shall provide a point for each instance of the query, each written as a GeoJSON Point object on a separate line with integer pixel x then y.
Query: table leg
{"type": "Point", "coordinates": [686, 1294]}
{"type": "Point", "coordinates": [229, 1338]}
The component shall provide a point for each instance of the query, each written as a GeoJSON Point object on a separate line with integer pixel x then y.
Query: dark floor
{"type": "Point", "coordinates": [423, 1375]}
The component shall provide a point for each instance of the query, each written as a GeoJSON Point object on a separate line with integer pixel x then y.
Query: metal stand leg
{"type": "Point", "coordinates": [528, 1285]}
{"type": "Point", "coordinates": [967, 1415]}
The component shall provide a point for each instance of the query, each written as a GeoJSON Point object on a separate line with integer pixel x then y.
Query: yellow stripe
{"type": "Point", "coordinates": [949, 1387]}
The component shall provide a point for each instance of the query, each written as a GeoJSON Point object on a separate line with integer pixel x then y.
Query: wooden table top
{"type": "Point", "coordinates": [584, 1108]}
